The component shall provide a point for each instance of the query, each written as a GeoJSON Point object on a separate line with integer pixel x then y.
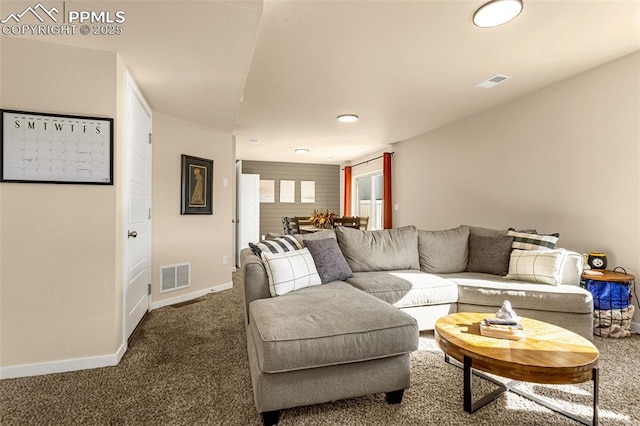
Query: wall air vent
{"type": "Point", "coordinates": [493, 81]}
{"type": "Point", "coordinates": [175, 277]}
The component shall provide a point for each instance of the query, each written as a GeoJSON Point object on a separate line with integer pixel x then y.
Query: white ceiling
{"type": "Point", "coordinates": [190, 59]}
{"type": "Point", "coordinates": [407, 67]}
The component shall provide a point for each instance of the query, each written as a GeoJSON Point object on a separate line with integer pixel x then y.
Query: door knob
{"type": "Point", "coordinates": [132, 234]}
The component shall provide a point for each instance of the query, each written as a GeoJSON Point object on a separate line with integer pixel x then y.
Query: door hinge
{"type": "Point", "coordinates": [149, 289]}
{"type": "Point", "coordinates": [149, 138]}
{"type": "Point", "coordinates": [149, 213]}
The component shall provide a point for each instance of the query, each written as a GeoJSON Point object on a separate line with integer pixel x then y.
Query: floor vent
{"type": "Point", "coordinates": [175, 277]}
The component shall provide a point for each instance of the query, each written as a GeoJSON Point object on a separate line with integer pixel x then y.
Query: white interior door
{"type": "Point", "coordinates": [236, 218]}
{"type": "Point", "coordinates": [137, 209]}
{"type": "Point", "coordinates": [248, 210]}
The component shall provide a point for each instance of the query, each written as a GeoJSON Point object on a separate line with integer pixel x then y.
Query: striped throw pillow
{"type": "Point", "coordinates": [537, 266]}
{"type": "Point", "coordinates": [532, 241]}
{"type": "Point", "coordinates": [290, 271]}
{"type": "Point", "coordinates": [277, 245]}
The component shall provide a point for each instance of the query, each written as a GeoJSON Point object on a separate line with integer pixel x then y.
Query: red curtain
{"type": "Point", "coordinates": [386, 191]}
{"type": "Point", "coordinates": [347, 191]}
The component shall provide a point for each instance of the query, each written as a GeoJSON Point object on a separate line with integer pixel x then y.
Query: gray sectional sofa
{"type": "Point", "coordinates": [354, 336]}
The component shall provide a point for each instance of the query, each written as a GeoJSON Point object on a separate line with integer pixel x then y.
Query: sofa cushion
{"type": "Point", "coordinates": [406, 288]}
{"type": "Point", "coordinates": [387, 250]}
{"type": "Point", "coordinates": [327, 325]}
{"type": "Point", "coordinates": [444, 252]}
{"type": "Point", "coordinates": [537, 266]}
{"type": "Point", "coordinates": [329, 260]}
{"type": "Point", "coordinates": [533, 241]}
{"type": "Point", "coordinates": [492, 290]}
{"type": "Point", "coordinates": [489, 255]}
{"type": "Point", "coordinates": [289, 271]}
{"type": "Point", "coordinates": [487, 232]}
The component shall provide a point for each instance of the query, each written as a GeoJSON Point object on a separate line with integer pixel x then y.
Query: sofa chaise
{"type": "Point", "coordinates": [353, 336]}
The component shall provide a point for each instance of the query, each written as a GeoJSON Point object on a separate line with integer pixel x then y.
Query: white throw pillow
{"type": "Point", "coordinates": [290, 271]}
{"type": "Point", "coordinates": [537, 266]}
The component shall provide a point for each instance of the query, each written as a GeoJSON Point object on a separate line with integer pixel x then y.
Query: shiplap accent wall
{"type": "Point", "coordinates": [326, 177]}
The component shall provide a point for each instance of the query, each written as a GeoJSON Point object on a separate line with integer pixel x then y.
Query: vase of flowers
{"type": "Point", "coordinates": [322, 218]}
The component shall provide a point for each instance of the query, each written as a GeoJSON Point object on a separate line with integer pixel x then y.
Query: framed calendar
{"type": "Point", "coordinates": [38, 147]}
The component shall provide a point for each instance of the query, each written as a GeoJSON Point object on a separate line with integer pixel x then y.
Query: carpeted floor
{"type": "Point", "coordinates": [188, 366]}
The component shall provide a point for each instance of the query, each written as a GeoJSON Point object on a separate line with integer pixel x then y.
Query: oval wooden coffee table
{"type": "Point", "coordinates": [548, 354]}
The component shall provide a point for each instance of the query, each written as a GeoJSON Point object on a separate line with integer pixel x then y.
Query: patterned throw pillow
{"type": "Point", "coordinates": [533, 241]}
{"type": "Point", "coordinates": [289, 271]}
{"type": "Point", "coordinates": [537, 266]}
{"type": "Point", "coordinates": [277, 245]}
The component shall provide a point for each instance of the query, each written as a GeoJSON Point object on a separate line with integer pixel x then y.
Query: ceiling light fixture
{"type": "Point", "coordinates": [347, 118]}
{"type": "Point", "coordinates": [497, 12]}
{"type": "Point", "coordinates": [301, 150]}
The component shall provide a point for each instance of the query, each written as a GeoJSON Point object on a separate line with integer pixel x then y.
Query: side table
{"type": "Point", "coordinates": [613, 310]}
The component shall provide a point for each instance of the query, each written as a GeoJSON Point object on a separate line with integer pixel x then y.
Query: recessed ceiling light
{"type": "Point", "coordinates": [302, 150]}
{"type": "Point", "coordinates": [254, 141]}
{"type": "Point", "coordinates": [347, 118]}
{"type": "Point", "coordinates": [497, 12]}
{"type": "Point", "coordinates": [330, 158]}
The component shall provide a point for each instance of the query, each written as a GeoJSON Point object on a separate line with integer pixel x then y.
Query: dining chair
{"type": "Point", "coordinates": [364, 223]}
{"type": "Point", "coordinates": [349, 222]}
{"type": "Point", "coordinates": [290, 226]}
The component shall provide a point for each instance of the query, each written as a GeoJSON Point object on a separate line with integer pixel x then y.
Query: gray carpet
{"type": "Point", "coordinates": [188, 365]}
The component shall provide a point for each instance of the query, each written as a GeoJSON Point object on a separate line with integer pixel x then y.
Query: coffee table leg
{"type": "Point", "coordinates": [467, 375]}
{"type": "Point", "coordinates": [466, 385]}
{"type": "Point", "coordinates": [470, 406]}
{"type": "Point", "coordinates": [596, 393]}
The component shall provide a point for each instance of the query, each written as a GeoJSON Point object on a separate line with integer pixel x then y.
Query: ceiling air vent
{"type": "Point", "coordinates": [496, 79]}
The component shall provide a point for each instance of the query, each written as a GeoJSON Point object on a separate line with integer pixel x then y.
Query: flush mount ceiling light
{"type": "Point", "coordinates": [497, 12]}
{"type": "Point", "coordinates": [347, 118]}
{"type": "Point", "coordinates": [301, 150]}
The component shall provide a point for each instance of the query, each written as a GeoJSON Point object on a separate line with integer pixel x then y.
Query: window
{"type": "Point", "coordinates": [368, 196]}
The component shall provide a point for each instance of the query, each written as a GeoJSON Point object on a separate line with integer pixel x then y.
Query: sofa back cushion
{"type": "Point", "coordinates": [444, 252]}
{"type": "Point", "coordinates": [487, 232]}
{"type": "Point", "coordinates": [387, 250]}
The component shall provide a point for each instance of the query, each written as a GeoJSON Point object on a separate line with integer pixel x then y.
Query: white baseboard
{"type": "Point", "coordinates": [63, 366]}
{"type": "Point", "coordinates": [190, 296]}
{"type": "Point", "coordinates": [635, 327]}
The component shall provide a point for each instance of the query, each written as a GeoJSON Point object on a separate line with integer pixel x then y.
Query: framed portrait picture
{"type": "Point", "coordinates": [197, 185]}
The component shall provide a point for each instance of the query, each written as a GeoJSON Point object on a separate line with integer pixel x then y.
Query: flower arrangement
{"type": "Point", "coordinates": [322, 218]}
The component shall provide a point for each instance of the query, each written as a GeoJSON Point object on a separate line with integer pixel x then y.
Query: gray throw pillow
{"type": "Point", "coordinates": [444, 252]}
{"type": "Point", "coordinates": [489, 255]}
{"type": "Point", "coordinates": [330, 262]}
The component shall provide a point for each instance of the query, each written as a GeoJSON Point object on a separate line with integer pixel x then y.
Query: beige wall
{"type": "Point", "coordinates": [199, 239]}
{"type": "Point", "coordinates": [60, 287]}
{"type": "Point", "coordinates": [562, 159]}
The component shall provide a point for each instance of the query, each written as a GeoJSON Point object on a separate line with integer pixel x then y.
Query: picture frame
{"type": "Point", "coordinates": [197, 185]}
{"type": "Point", "coordinates": [38, 147]}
